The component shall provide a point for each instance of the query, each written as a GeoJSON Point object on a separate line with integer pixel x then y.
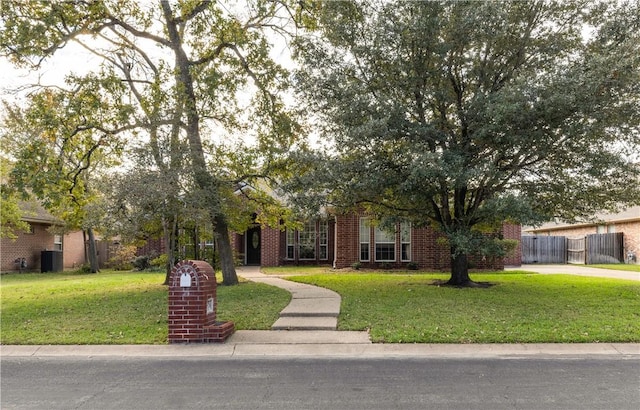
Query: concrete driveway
{"type": "Point", "coordinates": [578, 270]}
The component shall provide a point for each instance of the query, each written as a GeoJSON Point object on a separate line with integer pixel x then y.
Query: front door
{"type": "Point", "coordinates": [253, 245]}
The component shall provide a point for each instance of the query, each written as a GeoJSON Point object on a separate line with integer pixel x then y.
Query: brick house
{"type": "Point", "coordinates": [342, 240]}
{"type": "Point", "coordinates": [626, 222]}
{"type": "Point", "coordinates": [29, 245]}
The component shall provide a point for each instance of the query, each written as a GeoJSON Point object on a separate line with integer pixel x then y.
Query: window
{"type": "Point", "coordinates": [57, 242]}
{"type": "Point", "coordinates": [385, 245]}
{"type": "Point", "coordinates": [323, 239]}
{"type": "Point", "coordinates": [601, 229]}
{"type": "Point", "coordinates": [365, 239]}
{"type": "Point", "coordinates": [307, 241]}
{"type": "Point", "coordinates": [291, 243]}
{"type": "Point", "coordinates": [611, 228]}
{"type": "Point", "coordinates": [405, 241]}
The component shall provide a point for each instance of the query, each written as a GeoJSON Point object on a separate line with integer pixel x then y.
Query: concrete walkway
{"type": "Point", "coordinates": [311, 307]}
{"type": "Point", "coordinates": [579, 270]}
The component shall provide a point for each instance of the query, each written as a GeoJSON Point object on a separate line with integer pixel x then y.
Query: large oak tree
{"type": "Point", "coordinates": [462, 115]}
{"type": "Point", "coordinates": [198, 71]}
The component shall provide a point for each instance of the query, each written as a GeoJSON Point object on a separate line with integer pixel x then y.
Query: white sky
{"type": "Point", "coordinates": [73, 58]}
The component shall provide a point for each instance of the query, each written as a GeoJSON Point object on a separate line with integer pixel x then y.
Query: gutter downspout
{"type": "Point", "coordinates": [335, 241]}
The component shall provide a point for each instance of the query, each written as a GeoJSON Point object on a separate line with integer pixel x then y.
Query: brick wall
{"type": "Point", "coordinates": [271, 252]}
{"type": "Point", "coordinates": [631, 238]}
{"type": "Point", "coordinates": [344, 247]}
{"type": "Point", "coordinates": [511, 231]}
{"type": "Point", "coordinates": [426, 252]}
{"type": "Point", "coordinates": [27, 245]}
{"type": "Point", "coordinates": [347, 240]}
{"type": "Point", "coordinates": [73, 250]}
{"type": "Point", "coordinates": [192, 309]}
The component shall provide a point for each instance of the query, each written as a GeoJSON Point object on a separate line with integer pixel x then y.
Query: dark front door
{"type": "Point", "coordinates": [253, 246]}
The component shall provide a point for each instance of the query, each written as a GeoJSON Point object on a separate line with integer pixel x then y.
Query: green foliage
{"type": "Point", "coordinates": [10, 213]}
{"type": "Point", "coordinates": [159, 262]}
{"type": "Point", "coordinates": [123, 257]}
{"type": "Point", "coordinates": [462, 115]}
{"type": "Point", "coordinates": [213, 84]}
{"type": "Point", "coordinates": [142, 262]}
{"type": "Point", "coordinates": [84, 268]}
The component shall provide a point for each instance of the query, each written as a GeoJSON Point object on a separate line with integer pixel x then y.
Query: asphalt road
{"type": "Point", "coordinates": [570, 382]}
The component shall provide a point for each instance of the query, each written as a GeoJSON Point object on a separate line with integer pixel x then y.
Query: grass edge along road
{"type": "Point", "coordinates": [114, 307]}
{"type": "Point", "coordinates": [396, 307]}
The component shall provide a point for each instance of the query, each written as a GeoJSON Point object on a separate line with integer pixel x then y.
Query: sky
{"type": "Point", "coordinates": [16, 82]}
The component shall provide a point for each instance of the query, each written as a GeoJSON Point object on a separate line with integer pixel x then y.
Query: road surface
{"type": "Point", "coordinates": [559, 382]}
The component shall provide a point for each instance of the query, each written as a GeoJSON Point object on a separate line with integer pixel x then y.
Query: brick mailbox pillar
{"type": "Point", "coordinates": [193, 303]}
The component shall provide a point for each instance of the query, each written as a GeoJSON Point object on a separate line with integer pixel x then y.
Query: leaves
{"type": "Point", "coordinates": [466, 114]}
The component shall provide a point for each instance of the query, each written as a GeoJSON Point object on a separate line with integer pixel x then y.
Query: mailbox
{"type": "Point", "coordinates": [193, 303]}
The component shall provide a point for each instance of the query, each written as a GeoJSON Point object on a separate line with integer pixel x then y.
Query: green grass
{"type": "Point", "coordinates": [521, 307]}
{"type": "Point", "coordinates": [618, 266]}
{"type": "Point", "coordinates": [114, 308]}
{"type": "Point", "coordinates": [131, 308]}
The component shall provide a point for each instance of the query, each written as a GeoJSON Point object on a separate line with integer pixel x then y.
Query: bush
{"type": "Point", "coordinates": [412, 266]}
{"type": "Point", "coordinates": [160, 262]}
{"type": "Point", "coordinates": [84, 268]}
{"type": "Point", "coordinates": [141, 262]}
{"type": "Point", "coordinates": [356, 265]}
{"type": "Point", "coordinates": [121, 259]}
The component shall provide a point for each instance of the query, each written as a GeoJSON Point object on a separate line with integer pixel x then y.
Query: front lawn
{"type": "Point", "coordinates": [521, 307]}
{"type": "Point", "coordinates": [131, 308]}
{"type": "Point", "coordinates": [114, 307]}
{"type": "Point", "coordinates": [618, 266]}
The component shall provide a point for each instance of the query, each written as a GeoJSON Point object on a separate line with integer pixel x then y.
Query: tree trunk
{"type": "Point", "coordinates": [168, 235]}
{"type": "Point", "coordinates": [93, 252]}
{"type": "Point", "coordinates": [459, 270]}
{"type": "Point", "coordinates": [227, 264]}
{"type": "Point", "coordinates": [203, 178]}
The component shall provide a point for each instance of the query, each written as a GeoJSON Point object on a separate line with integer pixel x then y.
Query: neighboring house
{"type": "Point", "coordinates": [344, 240]}
{"type": "Point", "coordinates": [626, 222]}
{"type": "Point", "coordinates": [29, 245]}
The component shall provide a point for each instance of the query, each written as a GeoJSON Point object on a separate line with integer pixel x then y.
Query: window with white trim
{"type": "Point", "coordinates": [291, 243]}
{"type": "Point", "coordinates": [307, 241]}
{"type": "Point", "coordinates": [365, 239]}
{"type": "Point", "coordinates": [405, 241]}
{"type": "Point", "coordinates": [385, 245]}
{"type": "Point", "coordinates": [323, 239]}
{"type": "Point", "coordinates": [57, 242]}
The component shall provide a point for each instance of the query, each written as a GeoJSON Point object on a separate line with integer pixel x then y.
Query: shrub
{"type": "Point", "coordinates": [121, 259]}
{"type": "Point", "coordinates": [141, 262]}
{"type": "Point", "coordinates": [412, 266]}
{"type": "Point", "coordinates": [84, 268]}
{"type": "Point", "coordinates": [356, 265]}
{"type": "Point", "coordinates": [160, 262]}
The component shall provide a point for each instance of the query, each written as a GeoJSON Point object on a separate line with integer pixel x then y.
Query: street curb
{"type": "Point", "coordinates": [338, 350]}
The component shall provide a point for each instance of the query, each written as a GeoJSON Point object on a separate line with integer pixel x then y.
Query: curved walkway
{"type": "Point", "coordinates": [311, 307]}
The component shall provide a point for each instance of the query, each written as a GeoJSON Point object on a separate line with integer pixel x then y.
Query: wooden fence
{"type": "Point", "coordinates": [596, 248]}
{"type": "Point", "coordinates": [544, 249]}
{"type": "Point", "coordinates": [576, 250]}
{"type": "Point", "coordinates": [605, 248]}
